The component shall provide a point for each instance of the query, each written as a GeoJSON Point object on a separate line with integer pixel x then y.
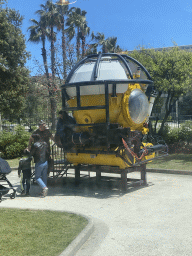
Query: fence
{"type": "Point", "coordinates": [172, 121]}
{"type": "Point", "coordinates": [29, 126]}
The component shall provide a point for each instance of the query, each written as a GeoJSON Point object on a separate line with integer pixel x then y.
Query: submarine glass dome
{"type": "Point", "coordinates": [105, 67]}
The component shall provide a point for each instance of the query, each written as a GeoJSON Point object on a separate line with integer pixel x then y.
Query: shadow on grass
{"type": "Point", "coordinates": [177, 157]}
{"type": "Point", "coordinates": [181, 162]}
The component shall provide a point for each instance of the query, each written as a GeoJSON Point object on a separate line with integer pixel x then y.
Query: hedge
{"type": "Point", "coordinates": [13, 143]}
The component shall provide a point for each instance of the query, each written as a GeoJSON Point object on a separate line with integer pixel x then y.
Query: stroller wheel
{"type": "Point", "coordinates": [13, 195]}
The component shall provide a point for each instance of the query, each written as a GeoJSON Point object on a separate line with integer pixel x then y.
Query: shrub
{"type": "Point", "coordinates": [33, 128]}
{"type": "Point", "coordinates": [171, 135]}
{"type": "Point", "coordinates": [174, 135]}
{"type": "Point", "coordinates": [12, 144]}
{"type": "Point", "coordinates": [186, 131]}
{"type": "Point", "coordinates": [178, 139]}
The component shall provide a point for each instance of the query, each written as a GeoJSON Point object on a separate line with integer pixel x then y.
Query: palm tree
{"type": "Point", "coordinates": [62, 11]}
{"type": "Point", "coordinates": [39, 32]}
{"type": "Point", "coordinates": [112, 45]}
{"type": "Point", "coordinates": [108, 45]}
{"type": "Point", "coordinates": [84, 31]}
{"type": "Point", "coordinates": [77, 26]}
{"type": "Point", "coordinates": [99, 39]}
{"type": "Point", "coordinates": [48, 17]}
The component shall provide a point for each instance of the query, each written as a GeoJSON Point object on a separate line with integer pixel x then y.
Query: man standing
{"type": "Point", "coordinates": [39, 151]}
{"type": "Point", "coordinates": [64, 131]}
{"type": "Point", "coordinates": [44, 133]}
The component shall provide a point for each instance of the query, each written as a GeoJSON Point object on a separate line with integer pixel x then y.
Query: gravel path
{"type": "Point", "coordinates": [146, 220]}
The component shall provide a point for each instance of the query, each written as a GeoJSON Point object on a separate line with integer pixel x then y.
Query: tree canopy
{"type": "Point", "coordinates": [13, 56]}
{"type": "Point", "coordinates": [171, 71]}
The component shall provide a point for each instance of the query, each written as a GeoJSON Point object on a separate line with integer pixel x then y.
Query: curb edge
{"type": "Point", "coordinates": [170, 171]}
{"type": "Point", "coordinates": [76, 244]}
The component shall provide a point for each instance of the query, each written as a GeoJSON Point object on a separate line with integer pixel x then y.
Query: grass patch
{"type": "Point", "coordinates": [13, 162]}
{"type": "Point", "coordinates": [173, 162]}
{"type": "Point", "coordinates": [28, 232]}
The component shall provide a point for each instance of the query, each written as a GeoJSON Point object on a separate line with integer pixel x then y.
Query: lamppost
{"type": "Point", "coordinates": [65, 2]}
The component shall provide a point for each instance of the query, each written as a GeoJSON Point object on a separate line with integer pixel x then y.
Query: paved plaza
{"type": "Point", "coordinates": [146, 220]}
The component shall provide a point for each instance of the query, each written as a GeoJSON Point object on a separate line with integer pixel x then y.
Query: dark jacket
{"type": "Point", "coordinates": [24, 164]}
{"type": "Point", "coordinates": [45, 136]}
{"type": "Point", "coordinates": [40, 152]}
{"type": "Point", "coordinates": [63, 125]}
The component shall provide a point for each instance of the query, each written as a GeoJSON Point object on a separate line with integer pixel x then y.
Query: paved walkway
{"type": "Point", "coordinates": [146, 220]}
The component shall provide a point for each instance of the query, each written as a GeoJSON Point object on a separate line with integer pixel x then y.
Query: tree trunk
{"type": "Point", "coordinates": [157, 119]}
{"type": "Point", "coordinates": [52, 55]}
{"type": "Point", "coordinates": [53, 112]}
{"type": "Point", "coordinates": [168, 107]}
{"type": "Point", "coordinates": [83, 46]}
{"type": "Point", "coordinates": [78, 45]}
{"type": "Point", "coordinates": [53, 86]}
{"type": "Point", "coordinates": [64, 50]}
{"type": "Point", "coordinates": [163, 122]}
{"type": "Point", "coordinates": [50, 88]}
{"type": "Point", "coordinates": [45, 59]}
{"type": "Point", "coordinates": [104, 48]}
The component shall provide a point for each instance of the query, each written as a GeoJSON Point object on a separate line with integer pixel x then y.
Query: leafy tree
{"type": "Point", "coordinates": [13, 56]}
{"type": "Point", "coordinates": [171, 71]}
{"type": "Point", "coordinates": [185, 104]}
{"type": "Point", "coordinates": [37, 104]}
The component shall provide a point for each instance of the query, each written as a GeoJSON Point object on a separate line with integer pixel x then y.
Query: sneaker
{"type": "Point", "coordinates": [45, 192]}
{"type": "Point", "coordinates": [27, 194]}
{"type": "Point", "coordinates": [23, 193]}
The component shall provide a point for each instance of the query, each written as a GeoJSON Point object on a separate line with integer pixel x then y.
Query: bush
{"type": "Point", "coordinates": [171, 135]}
{"type": "Point", "coordinates": [186, 131]}
{"type": "Point", "coordinates": [178, 139]}
{"type": "Point", "coordinates": [174, 135]}
{"type": "Point", "coordinates": [33, 128]}
{"type": "Point", "coordinates": [12, 144]}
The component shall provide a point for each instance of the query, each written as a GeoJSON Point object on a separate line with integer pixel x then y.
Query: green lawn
{"type": "Point", "coordinates": [29, 232]}
{"type": "Point", "coordinates": [13, 162]}
{"type": "Point", "coordinates": [173, 161]}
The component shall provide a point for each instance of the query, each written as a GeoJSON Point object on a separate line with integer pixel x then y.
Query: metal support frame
{"type": "Point", "coordinates": [99, 170]}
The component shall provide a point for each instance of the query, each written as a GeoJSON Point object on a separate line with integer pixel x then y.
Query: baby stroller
{"type": "Point", "coordinates": [4, 170]}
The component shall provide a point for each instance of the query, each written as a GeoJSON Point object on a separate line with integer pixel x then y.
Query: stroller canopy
{"type": "Point", "coordinates": [4, 167]}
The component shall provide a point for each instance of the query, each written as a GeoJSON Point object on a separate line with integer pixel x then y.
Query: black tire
{"type": "Point", "coordinates": [13, 195]}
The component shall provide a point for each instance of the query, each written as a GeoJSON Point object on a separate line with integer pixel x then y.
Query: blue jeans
{"type": "Point", "coordinates": [41, 173]}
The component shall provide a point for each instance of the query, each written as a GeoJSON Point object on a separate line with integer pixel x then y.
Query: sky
{"type": "Point", "coordinates": [149, 23]}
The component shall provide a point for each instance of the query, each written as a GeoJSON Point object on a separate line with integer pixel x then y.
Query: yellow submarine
{"type": "Point", "coordinates": [111, 97]}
